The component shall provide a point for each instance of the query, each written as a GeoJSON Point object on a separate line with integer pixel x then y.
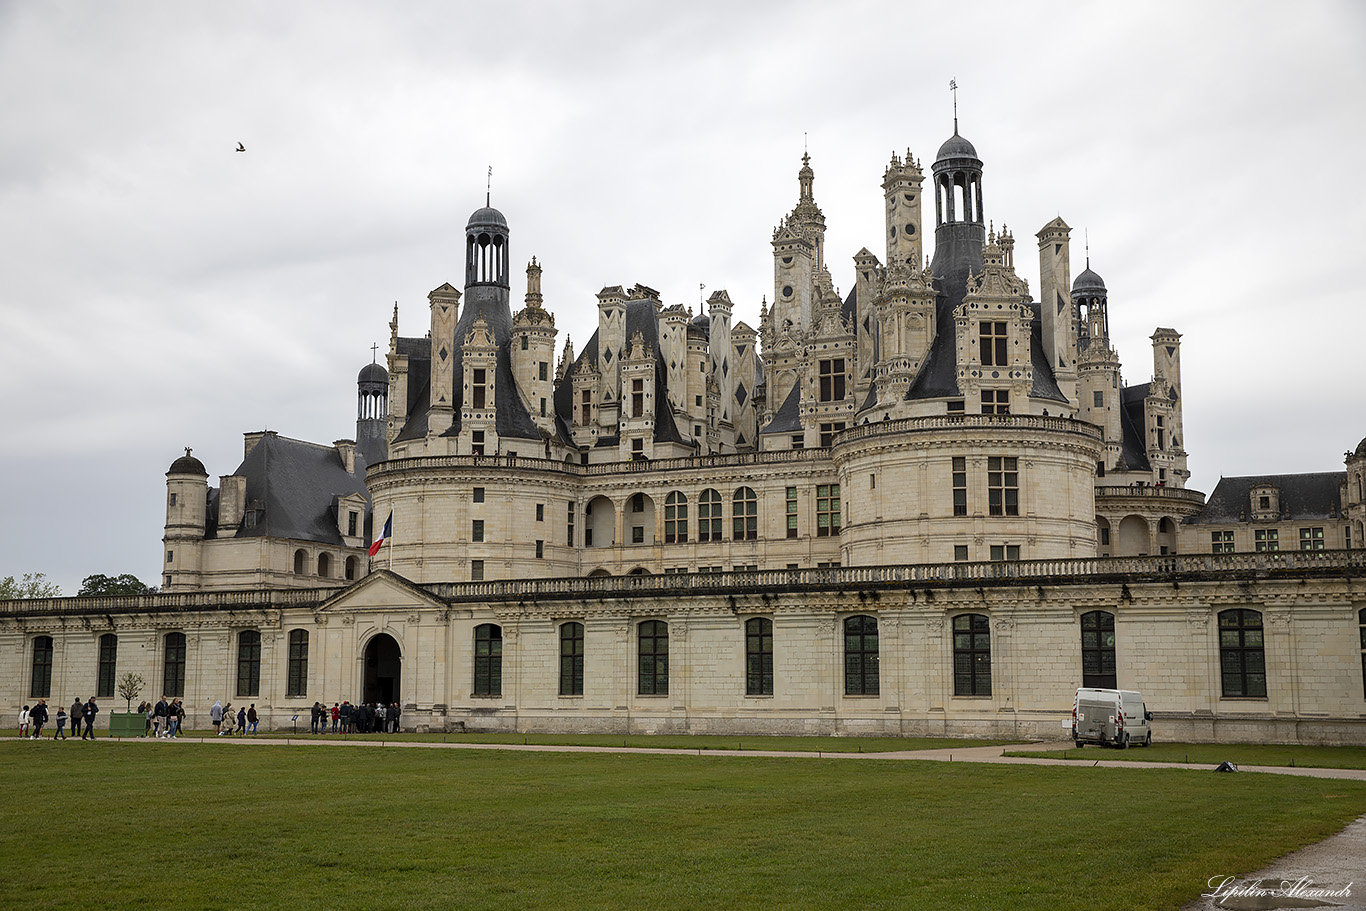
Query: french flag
{"type": "Point", "coordinates": [383, 535]}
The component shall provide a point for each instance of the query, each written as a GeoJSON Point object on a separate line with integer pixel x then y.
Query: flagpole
{"type": "Point", "coordinates": [391, 543]}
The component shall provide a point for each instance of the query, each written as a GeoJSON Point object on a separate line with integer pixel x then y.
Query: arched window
{"type": "Point", "coordinates": [654, 658]}
{"type": "Point", "coordinates": [104, 676]}
{"type": "Point", "coordinates": [571, 659]}
{"type": "Point", "coordinates": [249, 663]}
{"type": "Point", "coordinates": [40, 684]}
{"type": "Point", "coordinates": [860, 656]}
{"type": "Point", "coordinates": [300, 562]}
{"type": "Point", "coordinates": [971, 655]}
{"type": "Point", "coordinates": [1242, 659]}
{"type": "Point", "coordinates": [676, 518]}
{"type": "Point", "coordinates": [759, 657]}
{"type": "Point", "coordinates": [173, 667]}
{"type": "Point", "coordinates": [352, 565]}
{"type": "Point", "coordinates": [1098, 649]}
{"type": "Point", "coordinates": [296, 683]}
{"type": "Point", "coordinates": [745, 515]}
{"type": "Point", "coordinates": [709, 516]}
{"type": "Point", "coordinates": [488, 660]}
{"type": "Point", "coordinates": [324, 565]}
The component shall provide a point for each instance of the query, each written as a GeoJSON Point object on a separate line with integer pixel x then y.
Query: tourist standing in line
{"type": "Point", "coordinates": [393, 716]}
{"type": "Point", "coordinates": [345, 713]}
{"type": "Point", "coordinates": [336, 716]}
{"type": "Point", "coordinates": [216, 716]}
{"type": "Point", "coordinates": [89, 712]}
{"type": "Point", "coordinates": [38, 717]}
{"type": "Point", "coordinates": [252, 719]}
{"type": "Point", "coordinates": [77, 713]}
{"type": "Point", "coordinates": [61, 724]}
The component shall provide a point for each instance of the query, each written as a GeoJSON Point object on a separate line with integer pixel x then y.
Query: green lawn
{"type": "Point", "coordinates": [305, 827]}
{"type": "Point", "coordinates": [684, 741]}
{"type": "Point", "coordinates": [1211, 754]}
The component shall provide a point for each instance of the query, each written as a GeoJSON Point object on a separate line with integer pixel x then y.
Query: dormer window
{"type": "Point", "coordinates": [831, 375]}
{"type": "Point", "coordinates": [479, 389]}
{"type": "Point", "coordinates": [993, 344]}
{"type": "Point", "coordinates": [995, 401]}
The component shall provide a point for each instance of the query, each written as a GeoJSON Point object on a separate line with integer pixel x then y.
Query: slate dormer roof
{"type": "Point", "coordinates": [1303, 497]}
{"type": "Point", "coordinates": [296, 485]}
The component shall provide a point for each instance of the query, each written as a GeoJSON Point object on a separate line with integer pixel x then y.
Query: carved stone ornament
{"type": "Point", "coordinates": [414, 619]}
{"type": "Point", "coordinates": [935, 626]}
{"type": "Point", "coordinates": [1280, 619]}
{"type": "Point", "coordinates": [348, 620]}
{"type": "Point", "coordinates": [1005, 624]}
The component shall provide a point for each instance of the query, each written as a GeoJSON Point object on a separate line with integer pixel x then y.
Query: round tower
{"type": "Point", "coordinates": [187, 498]}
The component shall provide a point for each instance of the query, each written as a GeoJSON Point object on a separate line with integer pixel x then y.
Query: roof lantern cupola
{"type": "Point", "coordinates": [486, 248]}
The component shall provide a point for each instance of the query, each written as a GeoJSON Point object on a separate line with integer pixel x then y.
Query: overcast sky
{"type": "Point", "coordinates": [161, 290]}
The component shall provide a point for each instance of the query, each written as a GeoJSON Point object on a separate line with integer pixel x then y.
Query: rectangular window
{"type": "Point", "coordinates": [1266, 539]}
{"type": "Point", "coordinates": [104, 679]}
{"type": "Point", "coordinates": [477, 442]}
{"type": "Point", "coordinates": [571, 659]}
{"type": "Point", "coordinates": [1311, 538]}
{"type": "Point", "coordinates": [955, 406]}
{"type": "Point", "coordinates": [675, 519]}
{"type": "Point", "coordinates": [545, 370]}
{"type": "Point", "coordinates": [798, 441]}
{"type": "Point", "coordinates": [540, 512]}
{"type": "Point", "coordinates": [526, 343]}
{"type": "Point", "coordinates": [827, 510]}
{"type": "Point", "coordinates": [637, 398]}
{"type": "Point", "coordinates": [971, 655]}
{"type": "Point", "coordinates": [173, 499]}
{"type": "Point", "coordinates": [296, 680]}
{"type": "Point", "coordinates": [352, 521]}
{"type": "Point", "coordinates": [569, 536]}
{"type": "Point", "coordinates": [476, 570]}
{"type": "Point", "coordinates": [653, 677]}
{"type": "Point", "coordinates": [478, 495]}
{"type": "Point", "coordinates": [638, 502]}
{"type": "Point", "coordinates": [587, 405]}
{"type": "Point", "coordinates": [831, 378]}
{"type": "Point", "coordinates": [791, 512]}
{"type": "Point", "coordinates": [249, 663]}
{"type": "Point", "coordinates": [993, 344]}
{"type": "Point", "coordinates": [1003, 486]}
{"type": "Point", "coordinates": [477, 531]}
{"type": "Point", "coordinates": [40, 683]}
{"type": "Point", "coordinates": [960, 486]}
{"type": "Point", "coordinates": [637, 534]}
{"type": "Point", "coordinates": [542, 407]}
{"type": "Point", "coordinates": [478, 389]}
{"type": "Point", "coordinates": [540, 550]}
{"type": "Point", "coordinates": [828, 432]}
{"type": "Point", "coordinates": [173, 667]}
{"type": "Point", "coordinates": [488, 660]}
{"type": "Point", "coordinates": [960, 553]}
{"type": "Point", "coordinates": [1002, 552]}
{"type": "Point", "coordinates": [759, 657]}
{"type": "Point", "coordinates": [1221, 542]}
{"type": "Point", "coordinates": [637, 450]}
{"type": "Point", "coordinates": [1098, 399]}
{"type": "Point", "coordinates": [995, 401]}
{"type": "Point", "coordinates": [170, 556]}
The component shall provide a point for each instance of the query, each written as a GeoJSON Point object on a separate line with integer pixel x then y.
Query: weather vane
{"type": "Point", "coordinates": [953, 87]}
{"type": "Point", "coordinates": [488, 190]}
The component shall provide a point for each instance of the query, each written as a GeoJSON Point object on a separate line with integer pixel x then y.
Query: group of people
{"type": "Point", "coordinates": [222, 717]}
{"type": "Point", "coordinates": [33, 718]}
{"type": "Point", "coordinates": [361, 718]}
{"type": "Point", "coordinates": [164, 719]}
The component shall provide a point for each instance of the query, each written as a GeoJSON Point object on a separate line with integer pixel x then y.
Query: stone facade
{"type": "Point", "coordinates": [935, 467]}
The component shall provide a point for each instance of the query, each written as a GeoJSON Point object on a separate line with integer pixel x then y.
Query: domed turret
{"type": "Point", "coordinates": [372, 373]}
{"type": "Point", "coordinates": [1088, 282]}
{"type": "Point", "coordinates": [372, 413]}
{"type": "Point", "coordinates": [956, 147]}
{"type": "Point", "coordinates": [487, 217]}
{"type": "Point", "coordinates": [486, 248]}
{"type": "Point", "coordinates": [1361, 450]}
{"type": "Point", "coordinates": [188, 464]}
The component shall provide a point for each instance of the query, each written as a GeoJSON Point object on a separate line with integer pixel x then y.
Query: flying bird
{"type": "Point", "coordinates": [241, 148]}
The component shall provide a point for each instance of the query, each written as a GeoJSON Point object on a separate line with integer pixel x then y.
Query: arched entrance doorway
{"type": "Point", "coordinates": [383, 668]}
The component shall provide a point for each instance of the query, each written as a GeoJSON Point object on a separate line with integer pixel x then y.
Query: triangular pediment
{"type": "Point", "coordinates": [381, 591]}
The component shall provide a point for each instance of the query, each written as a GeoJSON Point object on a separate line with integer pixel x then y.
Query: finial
{"type": "Point", "coordinates": [488, 191]}
{"type": "Point", "coordinates": [374, 352]}
{"type": "Point", "coordinates": [187, 452]}
{"type": "Point", "coordinates": [701, 296]}
{"type": "Point", "coordinates": [953, 87]}
{"type": "Point", "coordinates": [1087, 234]}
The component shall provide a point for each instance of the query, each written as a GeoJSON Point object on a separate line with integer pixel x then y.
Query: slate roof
{"type": "Point", "coordinates": [513, 420]}
{"type": "Point", "coordinates": [1313, 495]}
{"type": "Point", "coordinates": [297, 485]}
{"type": "Point", "coordinates": [787, 419]}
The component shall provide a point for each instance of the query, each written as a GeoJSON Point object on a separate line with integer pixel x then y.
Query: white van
{"type": "Point", "coordinates": [1110, 718]}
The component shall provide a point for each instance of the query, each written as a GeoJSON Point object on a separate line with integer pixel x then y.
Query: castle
{"type": "Point", "coordinates": [930, 505]}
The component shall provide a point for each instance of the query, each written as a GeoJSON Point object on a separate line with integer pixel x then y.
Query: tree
{"type": "Point", "coordinates": [100, 584]}
{"type": "Point", "coordinates": [130, 685]}
{"type": "Point", "coordinates": [35, 585]}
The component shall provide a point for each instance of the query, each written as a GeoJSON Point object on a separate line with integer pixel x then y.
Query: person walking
{"type": "Point", "coordinates": [172, 719]}
{"type": "Point", "coordinates": [228, 719]}
{"type": "Point", "coordinates": [252, 718]}
{"type": "Point", "coordinates": [23, 723]}
{"type": "Point", "coordinates": [89, 711]}
{"type": "Point", "coordinates": [38, 717]}
{"type": "Point", "coordinates": [179, 716]}
{"type": "Point", "coordinates": [159, 725]}
{"type": "Point", "coordinates": [241, 721]}
{"type": "Point", "coordinates": [216, 716]}
{"type": "Point", "coordinates": [77, 713]}
{"type": "Point", "coordinates": [61, 724]}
